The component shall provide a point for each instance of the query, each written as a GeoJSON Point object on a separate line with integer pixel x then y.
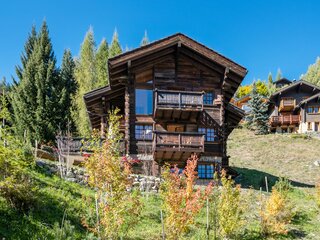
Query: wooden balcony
{"type": "Point", "coordinates": [176, 146]}
{"type": "Point", "coordinates": [287, 104]}
{"type": "Point", "coordinates": [179, 105]}
{"type": "Point", "coordinates": [284, 120]}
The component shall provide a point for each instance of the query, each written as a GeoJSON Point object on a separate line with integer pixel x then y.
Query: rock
{"type": "Point", "coordinates": [136, 184]}
{"type": "Point", "coordinates": [70, 174]}
{"type": "Point", "coordinates": [71, 179]}
{"type": "Point", "coordinates": [317, 163]}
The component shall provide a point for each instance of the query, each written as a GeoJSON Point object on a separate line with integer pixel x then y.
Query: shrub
{"type": "Point", "coordinates": [181, 201]}
{"type": "Point", "coordinates": [276, 214]}
{"type": "Point", "coordinates": [230, 208]}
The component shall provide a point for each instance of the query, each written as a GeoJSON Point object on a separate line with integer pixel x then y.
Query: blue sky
{"type": "Point", "coordinates": [260, 35]}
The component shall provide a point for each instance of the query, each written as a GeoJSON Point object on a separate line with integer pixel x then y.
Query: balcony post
{"type": "Point", "coordinates": [179, 100]}
{"type": "Point", "coordinates": [179, 142]}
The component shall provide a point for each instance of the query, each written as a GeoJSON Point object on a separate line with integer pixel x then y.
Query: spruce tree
{"type": "Point", "coordinates": [85, 75]}
{"type": "Point", "coordinates": [145, 39]}
{"type": "Point", "coordinates": [68, 87]}
{"type": "Point", "coordinates": [258, 115]}
{"type": "Point", "coordinates": [35, 97]}
{"type": "Point", "coordinates": [270, 80]}
{"type": "Point", "coordinates": [102, 64]}
{"type": "Point", "coordinates": [115, 48]}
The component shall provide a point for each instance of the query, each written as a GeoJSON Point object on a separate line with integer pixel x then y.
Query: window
{"type": "Point", "coordinates": [143, 132]}
{"type": "Point", "coordinates": [208, 98]}
{"type": "Point", "coordinates": [209, 134]}
{"type": "Point", "coordinates": [316, 109]}
{"type": "Point", "coordinates": [310, 110]}
{"type": "Point", "coordinates": [144, 101]}
{"type": "Point", "coordinates": [205, 171]}
{"type": "Point", "coordinates": [309, 126]}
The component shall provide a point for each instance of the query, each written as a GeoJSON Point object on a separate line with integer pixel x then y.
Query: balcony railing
{"type": "Point", "coordinates": [288, 119]}
{"type": "Point", "coordinates": [287, 104]}
{"type": "Point", "coordinates": [178, 141]}
{"type": "Point", "coordinates": [178, 99]}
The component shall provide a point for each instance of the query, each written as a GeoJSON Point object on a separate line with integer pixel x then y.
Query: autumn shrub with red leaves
{"type": "Point", "coordinates": [181, 201]}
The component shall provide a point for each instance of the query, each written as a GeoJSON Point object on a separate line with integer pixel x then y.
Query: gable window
{"type": "Point", "coordinates": [143, 132]}
{"type": "Point", "coordinates": [208, 98]}
{"type": "Point", "coordinates": [209, 134]}
{"type": "Point", "coordinates": [205, 171]}
{"type": "Point", "coordinates": [316, 109]}
{"type": "Point", "coordinates": [144, 101]}
{"type": "Point", "coordinates": [313, 110]}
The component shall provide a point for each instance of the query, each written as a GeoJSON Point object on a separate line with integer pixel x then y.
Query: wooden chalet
{"type": "Point", "coordinates": [295, 108]}
{"type": "Point", "coordinates": [174, 97]}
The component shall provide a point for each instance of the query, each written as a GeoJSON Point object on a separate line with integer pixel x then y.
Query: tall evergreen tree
{"type": "Point", "coordinates": [313, 73]}
{"type": "Point", "coordinates": [279, 74]}
{"type": "Point", "coordinates": [102, 64]}
{"type": "Point", "coordinates": [258, 115]}
{"type": "Point", "coordinates": [270, 79]}
{"type": "Point", "coordinates": [85, 75]}
{"type": "Point", "coordinates": [145, 39]}
{"type": "Point", "coordinates": [68, 87]}
{"type": "Point", "coordinates": [35, 99]}
{"type": "Point", "coordinates": [28, 50]}
{"type": "Point", "coordinates": [115, 48]}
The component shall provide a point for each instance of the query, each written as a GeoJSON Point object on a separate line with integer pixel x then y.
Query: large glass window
{"type": "Point", "coordinates": [209, 134]}
{"type": "Point", "coordinates": [144, 101]}
{"type": "Point", "coordinates": [143, 132]}
{"type": "Point", "coordinates": [208, 98]}
{"type": "Point", "coordinates": [205, 171]}
{"type": "Point", "coordinates": [310, 110]}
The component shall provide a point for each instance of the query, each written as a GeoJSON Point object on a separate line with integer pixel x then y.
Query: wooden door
{"type": "Point", "coordinates": [316, 126]}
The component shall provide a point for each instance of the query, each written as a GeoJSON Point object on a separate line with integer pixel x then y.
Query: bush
{"type": "Point", "coordinates": [276, 214]}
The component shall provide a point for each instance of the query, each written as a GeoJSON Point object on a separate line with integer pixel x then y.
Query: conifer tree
{"type": "Point", "coordinates": [145, 39]}
{"type": "Point", "coordinates": [115, 48]}
{"type": "Point", "coordinates": [102, 64]}
{"type": "Point", "coordinates": [85, 75]}
{"type": "Point", "coordinates": [279, 74]}
{"type": "Point", "coordinates": [313, 73]}
{"type": "Point", "coordinates": [68, 87]}
{"type": "Point", "coordinates": [270, 79]}
{"type": "Point", "coordinates": [258, 116]}
{"type": "Point", "coordinates": [35, 101]}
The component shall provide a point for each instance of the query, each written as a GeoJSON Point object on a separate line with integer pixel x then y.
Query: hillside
{"type": "Point", "coordinates": [274, 155]}
{"type": "Point", "coordinates": [254, 157]}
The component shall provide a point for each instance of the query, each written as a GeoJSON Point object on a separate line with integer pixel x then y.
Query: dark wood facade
{"type": "Point", "coordinates": [191, 112]}
{"type": "Point", "coordinates": [295, 108]}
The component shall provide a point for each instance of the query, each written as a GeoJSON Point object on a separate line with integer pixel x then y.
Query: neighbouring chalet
{"type": "Point", "coordinates": [282, 83]}
{"type": "Point", "coordinates": [295, 108]}
{"type": "Point", "coordinates": [174, 97]}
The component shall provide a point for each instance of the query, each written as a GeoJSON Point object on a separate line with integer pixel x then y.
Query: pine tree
{"type": "Point", "coordinates": [35, 98]}
{"type": "Point", "coordinates": [102, 64]}
{"type": "Point", "coordinates": [68, 87]}
{"type": "Point", "coordinates": [145, 39]}
{"type": "Point", "coordinates": [258, 116]}
{"type": "Point", "coordinates": [279, 74]}
{"type": "Point", "coordinates": [115, 48]}
{"type": "Point", "coordinates": [313, 73]}
{"type": "Point", "coordinates": [85, 75]}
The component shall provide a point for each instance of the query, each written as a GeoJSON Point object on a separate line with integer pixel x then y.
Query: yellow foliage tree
{"type": "Point", "coordinates": [277, 213]}
{"type": "Point", "coordinates": [230, 208]}
{"type": "Point", "coordinates": [118, 209]}
{"type": "Point", "coordinates": [181, 201]}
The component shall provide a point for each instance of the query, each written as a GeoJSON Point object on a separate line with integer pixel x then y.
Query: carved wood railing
{"type": "Point", "coordinates": [178, 141]}
{"type": "Point", "coordinates": [286, 119]}
{"type": "Point", "coordinates": [178, 99]}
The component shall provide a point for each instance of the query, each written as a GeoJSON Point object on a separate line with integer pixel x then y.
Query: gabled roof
{"type": "Point", "coordinates": [294, 84]}
{"type": "Point", "coordinates": [172, 40]}
{"type": "Point", "coordinates": [309, 99]}
{"type": "Point", "coordinates": [283, 80]}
